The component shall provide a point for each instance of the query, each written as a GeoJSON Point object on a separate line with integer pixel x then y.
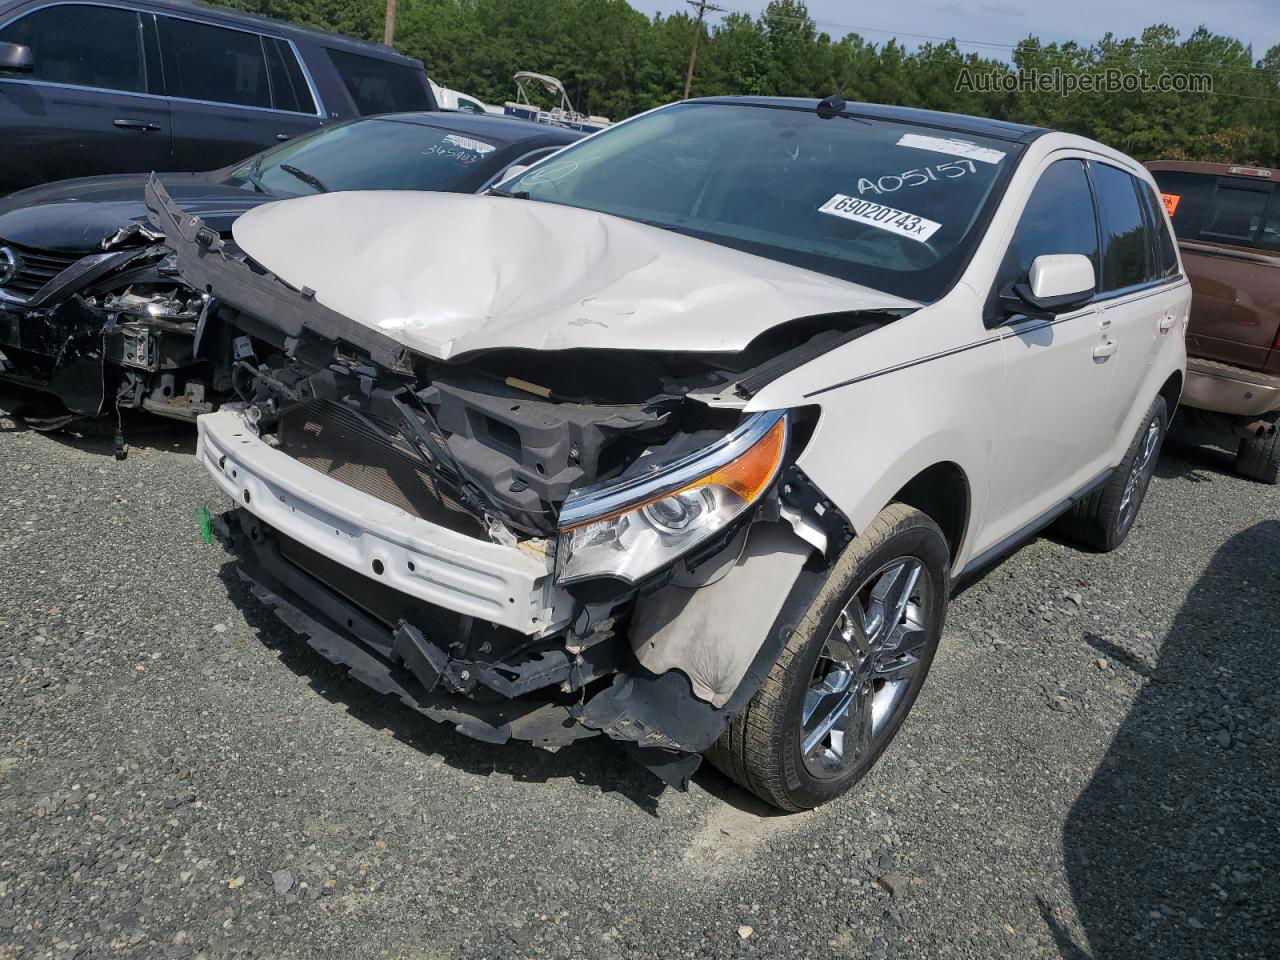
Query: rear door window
{"type": "Point", "coordinates": [83, 46]}
{"type": "Point", "coordinates": [289, 90]}
{"type": "Point", "coordinates": [1165, 253]}
{"type": "Point", "coordinates": [214, 64]}
{"type": "Point", "coordinates": [378, 86]}
{"type": "Point", "coordinates": [1126, 242]}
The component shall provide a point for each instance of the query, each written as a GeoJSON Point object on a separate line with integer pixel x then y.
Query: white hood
{"type": "Point", "coordinates": [446, 274]}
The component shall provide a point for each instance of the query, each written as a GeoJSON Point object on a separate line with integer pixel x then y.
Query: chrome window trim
{"type": "Point", "coordinates": [612, 497]}
{"type": "Point", "coordinates": [1142, 291]}
{"type": "Point", "coordinates": [518, 160]}
{"type": "Point", "coordinates": [302, 63]}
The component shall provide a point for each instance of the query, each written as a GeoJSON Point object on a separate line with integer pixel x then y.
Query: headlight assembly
{"type": "Point", "coordinates": [629, 528]}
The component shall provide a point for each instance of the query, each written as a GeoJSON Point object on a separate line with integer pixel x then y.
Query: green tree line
{"type": "Point", "coordinates": [617, 61]}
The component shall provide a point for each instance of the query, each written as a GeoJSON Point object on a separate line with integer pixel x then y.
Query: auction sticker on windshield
{"type": "Point", "coordinates": [878, 215]}
{"type": "Point", "coordinates": [951, 145]}
{"type": "Point", "coordinates": [469, 143]}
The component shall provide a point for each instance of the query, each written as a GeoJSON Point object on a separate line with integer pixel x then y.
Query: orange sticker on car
{"type": "Point", "coordinates": [1171, 202]}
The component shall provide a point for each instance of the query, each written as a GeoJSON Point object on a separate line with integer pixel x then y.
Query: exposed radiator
{"type": "Point", "coordinates": [328, 437]}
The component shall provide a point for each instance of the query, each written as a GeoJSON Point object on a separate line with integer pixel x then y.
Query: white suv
{"type": "Point", "coordinates": [684, 435]}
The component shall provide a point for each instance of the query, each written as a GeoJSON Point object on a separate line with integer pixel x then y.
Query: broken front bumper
{"type": "Point", "coordinates": [508, 586]}
{"type": "Point", "coordinates": [89, 357]}
{"type": "Point", "coordinates": [59, 351]}
{"type": "Point", "coordinates": [469, 632]}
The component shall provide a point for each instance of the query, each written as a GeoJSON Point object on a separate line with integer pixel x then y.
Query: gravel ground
{"type": "Point", "coordinates": [1091, 771]}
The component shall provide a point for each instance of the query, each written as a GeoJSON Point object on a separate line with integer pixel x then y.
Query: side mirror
{"type": "Point", "coordinates": [16, 58]}
{"type": "Point", "coordinates": [1055, 284]}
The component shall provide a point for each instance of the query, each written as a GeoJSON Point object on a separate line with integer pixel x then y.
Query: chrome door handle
{"type": "Point", "coordinates": [143, 125]}
{"type": "Point", "coordinates": [282, 137]}
{"type": "Point", "coordinates": [1167, 322]}
{"type": "Point", "coordinates": [1105, 349]}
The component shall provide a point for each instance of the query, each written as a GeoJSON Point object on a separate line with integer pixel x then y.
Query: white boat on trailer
{"type": "Point", "coordinates": [562, 115]}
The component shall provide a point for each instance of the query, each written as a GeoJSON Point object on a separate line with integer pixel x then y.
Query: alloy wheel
{"type": "Point", "coordinates": [1139, 478]}
{"type": "Point", "coordinates": [873, 654]}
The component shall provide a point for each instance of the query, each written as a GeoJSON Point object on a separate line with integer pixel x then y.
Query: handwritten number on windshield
{"type": "Point", "coordinates": [891, 183]}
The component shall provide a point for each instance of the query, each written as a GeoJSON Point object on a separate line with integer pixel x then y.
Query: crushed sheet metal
{"type": "Point", "coordinates": [545, 724]}
{"type": "Point", "coordinates": [446, 274]}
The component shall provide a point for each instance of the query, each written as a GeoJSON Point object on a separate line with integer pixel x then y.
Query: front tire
{"type": "Point", "coordinates": [1102, 520]}
{"type": "Point", "coordinates": [850, 672]}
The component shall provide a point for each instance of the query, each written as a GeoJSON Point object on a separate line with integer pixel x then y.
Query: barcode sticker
{"type": "Point", "coordinates": [878, 215]}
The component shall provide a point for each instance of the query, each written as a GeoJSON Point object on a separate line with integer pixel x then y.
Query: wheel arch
{"type": "Point", "coordinates": [1171, 390]}
{"type": "Point", "coordinates": [942, 492]}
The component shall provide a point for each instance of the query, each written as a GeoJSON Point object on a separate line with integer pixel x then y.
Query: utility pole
{"type": "Point", "coordinates": [389, 33]}
{"type": "Point", "coordinates": [702, 7]}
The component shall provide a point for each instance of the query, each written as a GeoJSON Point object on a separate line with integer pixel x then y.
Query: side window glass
{"type": "Point", "coordinates": [289, 90]}
{"type": "Point", "coordinates": [1166, 255]}
{"type": "Point", "coordinates": [1124, 234]}
{"type": "Point", "coordinates": [83, 46]}
{"type": "Point", "coordinates": [1058, 218]}
{"type": "Point", "coordinates": [204, 62]}
{"type": "Point", "coordinates": [378, 86]}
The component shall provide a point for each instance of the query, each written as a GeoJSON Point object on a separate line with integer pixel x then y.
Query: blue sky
{"type": "Point", "coordinates": [1008, 21]}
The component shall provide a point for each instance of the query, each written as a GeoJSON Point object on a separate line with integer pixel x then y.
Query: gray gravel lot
{"type": "Point", "coordinates": [1092, 770]}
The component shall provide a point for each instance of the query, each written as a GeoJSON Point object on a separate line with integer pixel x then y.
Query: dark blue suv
{"type": "Point", "coordinates": [92, 87]}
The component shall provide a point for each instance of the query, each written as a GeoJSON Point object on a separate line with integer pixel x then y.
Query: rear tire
{"type": "Point", "coordinates": [868, 638]}
{"type": "Point", "coordinates": [1102, 520]}
{"type": "Point", "coordinates": [1260, 459]}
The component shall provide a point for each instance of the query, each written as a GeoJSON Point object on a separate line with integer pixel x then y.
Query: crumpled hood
{"type": "Point", "coordinates": [75, 216]}
{"type": "Point", "coordinates": [446, 274]}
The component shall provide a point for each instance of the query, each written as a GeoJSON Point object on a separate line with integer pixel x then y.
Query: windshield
{"type": "Point", "coordinates": [890, 205]}
{"type": "Point", "coordinates": [375, 154]}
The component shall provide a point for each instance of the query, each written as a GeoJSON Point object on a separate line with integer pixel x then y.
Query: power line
{"type": "Point", "coordinates": [765, 15]}
{"type": "Point", "coordinates": [702, 6]}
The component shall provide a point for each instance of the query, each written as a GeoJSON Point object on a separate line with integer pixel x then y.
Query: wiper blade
{"type": "Point", "coordinates": [256, 183]}
{"type": "Point", "coordinates": [309, 179]}
{"type": "Point", "coordinates": [498, 192]}
{"type": "Point", "coordinates": [254, 175]}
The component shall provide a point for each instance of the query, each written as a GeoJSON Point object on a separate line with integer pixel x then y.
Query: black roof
{"type": "Point", "coordinates": [956, 122]}
{"type": "Point", "coordinates": [505, 130]}
{"type": "Point", "coordinates": [279, 27]}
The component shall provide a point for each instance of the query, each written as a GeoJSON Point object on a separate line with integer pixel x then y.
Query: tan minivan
{"type": "Point", "coordinates": [1227, 220]}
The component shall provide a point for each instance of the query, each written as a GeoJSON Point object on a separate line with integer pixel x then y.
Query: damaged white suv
{"type": "Point", "coordinates": [684, 435]}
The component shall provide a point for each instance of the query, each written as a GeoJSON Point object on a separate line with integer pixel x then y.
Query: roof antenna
{"type": "Point", "coordinates": [832, 106]}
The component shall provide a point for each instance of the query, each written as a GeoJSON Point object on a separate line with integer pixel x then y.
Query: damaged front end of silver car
{"type": "Point", "coordinates": [534, 545]}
